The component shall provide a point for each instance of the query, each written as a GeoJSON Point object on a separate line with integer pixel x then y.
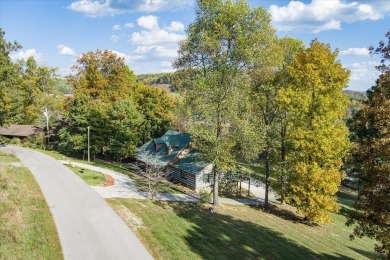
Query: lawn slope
{"type": "Point", "coordinates": [27, 229]}
{"type": "Point", "coordinates": [177, 230]}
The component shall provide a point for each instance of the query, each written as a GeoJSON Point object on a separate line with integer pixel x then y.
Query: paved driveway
{"type": "Point", "coordinates": [88, 227]}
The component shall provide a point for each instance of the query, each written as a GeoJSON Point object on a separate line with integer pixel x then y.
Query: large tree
{"type": "Point", "coordinates": [371, 153]}
{"type": "Point", "coordinates": [102, 75]}
{"type": "Point", "coordinates": [316, 106]}
{"type": "Point", "coordinates": [102, 100]}
{"type": "Point", "coordinates": [38, 91]}
{"type": "Point", "coordinates": [221, 43]}
{"type": "Point", "coordinates": [268, 77]}
{"type": "Point", "coordinates": [11, 101]}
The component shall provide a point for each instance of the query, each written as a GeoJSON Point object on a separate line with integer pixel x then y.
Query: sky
{"type": "Point", "coordinates": [146, 32]}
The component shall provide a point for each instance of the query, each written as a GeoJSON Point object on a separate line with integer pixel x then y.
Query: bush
{"type": "Point", "coordinates": [36, 141]}
{"type": "Point", "coordinates": [4, 140]}
{"type": "Point", "coordinates": [205, 196]}
{"type": "Point", "coordinates": [15, 141]}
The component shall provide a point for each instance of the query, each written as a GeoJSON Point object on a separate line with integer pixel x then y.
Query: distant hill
{"type": "Point", "coordinates": [356, 98]}
{"type": "Point", "coordinates": [62, 86]}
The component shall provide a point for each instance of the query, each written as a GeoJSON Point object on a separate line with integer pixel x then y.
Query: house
{"type": "Point", "coordinates": [19, 131]}
{"type": "Point", "coordinates": [173, 152]}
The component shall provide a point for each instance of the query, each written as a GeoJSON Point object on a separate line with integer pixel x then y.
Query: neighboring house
{"type": "Point", "coordinates": [19, 131]}
{"type": "Point", "coordinates": [173, 153]}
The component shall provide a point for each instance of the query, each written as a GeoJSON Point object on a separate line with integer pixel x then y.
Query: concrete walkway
{"type": "Point", "coordinates": [124, 188]}
{"type": "Point", "coordinates": [88, 227]}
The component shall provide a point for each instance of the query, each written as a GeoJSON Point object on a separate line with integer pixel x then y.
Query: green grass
{"type": "Point", "coordinates": [90, 177]}
{"type": "Point", "coordinates": [177, 230]}
{"type": "Point", "coordinates": [8, 158]}
{"type": "Point", "coordinates": [140, 182]}
{"type": "Point", "coordinates": [27, 229]}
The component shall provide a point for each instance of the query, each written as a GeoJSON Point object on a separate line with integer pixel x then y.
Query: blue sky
{"type": "Point", "coordinates": [146, 32]}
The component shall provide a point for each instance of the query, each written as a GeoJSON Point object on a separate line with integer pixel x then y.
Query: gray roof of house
{"type": "Point", "coordinates": [19, 130]}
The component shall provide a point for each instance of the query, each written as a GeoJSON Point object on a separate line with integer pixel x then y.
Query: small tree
{"type": "Point", "coordinates": [155, 175]}
{"type": "Point", "coordinates": [153, 171]}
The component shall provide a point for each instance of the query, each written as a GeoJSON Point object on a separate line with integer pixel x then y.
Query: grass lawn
{"type": "Point", "coordinates": [177, 230]}
{"type": "Point", "coordinates": [140, 182]}
{"type": "Point", "coordinates": [27, 229]}
{"type": "Point", "coordinates": [90, 177]}
{"type": "Point", "coordinates": [8, 158]}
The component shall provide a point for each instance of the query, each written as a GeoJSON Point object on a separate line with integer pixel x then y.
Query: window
{"type": "Point", "coordinates": [183, 175]}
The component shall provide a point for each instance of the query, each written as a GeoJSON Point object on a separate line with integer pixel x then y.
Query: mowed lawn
{"type": "Point", "coordinates": [90, 177]}
{"type": "Point", "coordinates": [27, 229]}
{"type": "Point", "coordinates": [177, 230]}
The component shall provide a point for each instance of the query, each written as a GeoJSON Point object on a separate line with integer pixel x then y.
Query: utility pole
{"type": "Point", "coordinates": [88, 145]}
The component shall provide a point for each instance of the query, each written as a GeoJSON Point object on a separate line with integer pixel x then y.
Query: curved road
{"type": "Point", "coordinates": [88, 227]}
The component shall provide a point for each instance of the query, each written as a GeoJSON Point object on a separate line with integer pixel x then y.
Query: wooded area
{"type": "Point", "coordinates": [245, 96]}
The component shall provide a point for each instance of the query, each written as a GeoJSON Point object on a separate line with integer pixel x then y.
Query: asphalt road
{"type": "Point", "coordinates": [88, 227]}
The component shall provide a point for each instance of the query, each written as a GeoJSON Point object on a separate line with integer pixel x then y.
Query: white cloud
{"type": "Point", "coordinates": [115, 38]}
{"type": "Point", "coordinates": [176, 27]}
{"type": "Point", "coordinates": [355, 52]}
{"type": "Point", "coordinates": [363, 75]}
{"type": "Point", "coordinates": [157, 50]}
{"type": "Point", "coordinates": [320, 15]}
{"type": "Point", "coordinates": [154, 37]}
{"type": "Point", "coordinates": [128, 58]}
{"type": "Point", "coordinates": [148, 22]}
{"type": "Point", "coordinates": [99, 8]}
{"type": "Point", "coordinates": [26, 54]}
{"type": "Point", "coordinates": [116, 27]}
{"type": "Point", "coordinates": [129, 25]}
{"type": "Point", "coordinates": [94, 8]}
{"type": "Point", "coordinates": [65, 50]}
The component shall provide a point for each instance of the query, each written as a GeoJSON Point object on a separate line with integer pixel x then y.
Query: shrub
{"type": "Point", "coordinates": [205, 196]}
{"type": "Point", "coordinates": [15, 141]}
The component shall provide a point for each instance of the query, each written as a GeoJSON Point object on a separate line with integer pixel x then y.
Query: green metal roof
{"type": "Point", "coordinates": [148, 154]}
{"type": "Point", "coordinates": [192, 163]}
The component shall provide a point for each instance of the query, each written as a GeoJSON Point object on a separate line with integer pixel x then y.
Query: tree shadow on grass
{"type": "Point", "coordinates": [369, 255]}
{"type": "Point", "coordinates": [218, 236]}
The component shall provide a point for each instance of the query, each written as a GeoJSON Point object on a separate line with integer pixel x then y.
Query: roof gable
{"type": "Point", "coordinates": [156, 152]}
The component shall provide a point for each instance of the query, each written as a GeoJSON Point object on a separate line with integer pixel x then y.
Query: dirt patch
{"type": "Point", "coordinates": [130, 219]}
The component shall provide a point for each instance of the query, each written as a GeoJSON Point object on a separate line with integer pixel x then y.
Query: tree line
{"type": "Point", "coordinates": [245, 95]}
{"type": "Point", "coordinates": [121, 112]}
{"type": "Point", "coordinates": [251, 96]}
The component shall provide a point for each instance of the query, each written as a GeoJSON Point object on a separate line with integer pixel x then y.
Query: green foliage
{"type": "Point", "coordinates": [268, 77]}
{"type": "Point", "coordinates": [205, 196]}
{"type": "Point", "coordinates": [102, 75]}
{"type": "Point", "coordinates": [371, 156]}
{"type": "Point", "coordinates": [156, 107]}
{"type": "Point", "coordinates": [38, 92]}
{"type": "Point", "coordinates": [316, 105]}
{"type": "Point", "coordinates": [221, 43]}
{"type": "Point", "coordinates": [120, 113]}
{"type": "Point", "coordinates": [10, 83]}
{"type": "Point", "coordinates": [15, 140]}
{"type": "Point", "coordinates": [124, 119]}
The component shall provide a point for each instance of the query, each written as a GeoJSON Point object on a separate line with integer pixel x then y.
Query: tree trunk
{"type": "Point", "coordinates": [266, 179]}
{"type": "Point", "coordinates": [215, 190]}
{"type": "Point", "coordinates": [249, 187]}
